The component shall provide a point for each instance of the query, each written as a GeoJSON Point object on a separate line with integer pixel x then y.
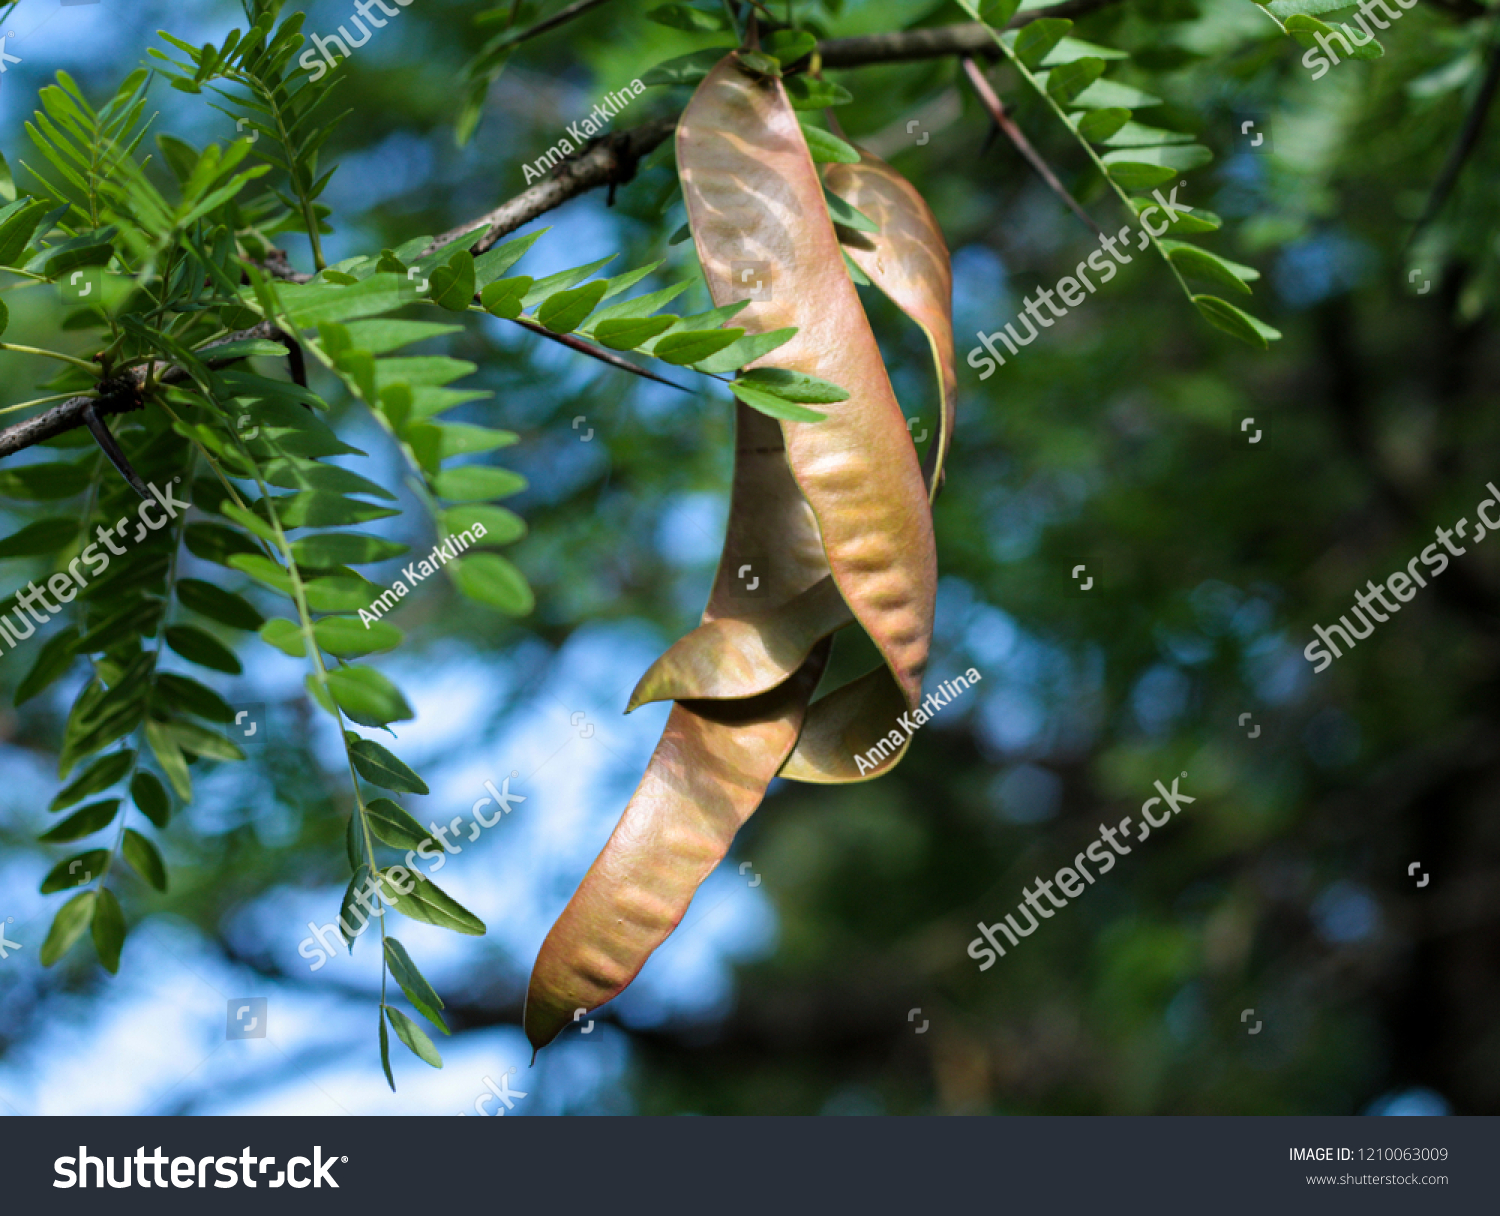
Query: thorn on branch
{"type": "Point", "coordinates": [991, 102]}
{"type": "Point", "coordinates": [110, 446]}
{"type": "Point", "coordinates": [296, 361]}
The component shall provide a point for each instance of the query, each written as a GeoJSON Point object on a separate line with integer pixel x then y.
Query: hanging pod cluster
{"type": "Point", "coordinates": [830, 525]}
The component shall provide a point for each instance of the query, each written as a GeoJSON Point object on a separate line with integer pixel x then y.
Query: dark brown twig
{"type": "Point", "coordinates": [557, 19]}
{"type": "Point", "coordinates": [612, 160]}
{"type": "Point", "coordinates": [573, 342]}
{"type": "Point", "coordinates": [992, 103]}
{"type": "Point", "coordinates": [118, 395]}
{"type": "Point", "coordinates": [968, 38]}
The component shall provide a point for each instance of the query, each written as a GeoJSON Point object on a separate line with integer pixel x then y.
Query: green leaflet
{"type": "Point", "coordinates": [414, 895]}
{"type": "Point", "coordinates": [1232, 320]}
{"type": "Point", "coordinates": [380, 767]}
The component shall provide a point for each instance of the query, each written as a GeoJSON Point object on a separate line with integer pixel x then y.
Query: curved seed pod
{"type": "Point", "coordinates": [772, 549]}
{"type": "Point", "coordinates": [755, 203]}
{"type": "Point", "coordinates": [742, 656]}
{"type": "Point", "coordinates": [853, 734]}
{"type": "Point", "coordinates": [707, 776]}
{"type": "Point", "coordinates": [710, 770]}
{"type": "Point", "coordinates": [908, 260]}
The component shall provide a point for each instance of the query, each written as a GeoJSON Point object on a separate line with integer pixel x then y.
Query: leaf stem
{"type": "Point", "coordinates": [92, 368]}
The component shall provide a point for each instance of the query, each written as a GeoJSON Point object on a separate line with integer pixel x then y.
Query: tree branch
{"type": "Point", "coordinates": [117, 395]}
{"type": "Point", "coordinates": [610, 162]}
{"type": "Point", "coordinates": [968, 38]}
